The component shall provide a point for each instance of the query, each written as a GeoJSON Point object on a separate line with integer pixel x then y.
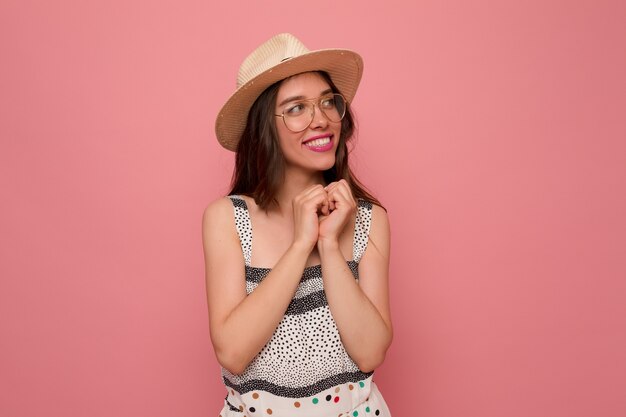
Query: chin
{"type": "Point", "coordinates": [317, 162]}
{"type": "Point", "coordinates": [326, 165]}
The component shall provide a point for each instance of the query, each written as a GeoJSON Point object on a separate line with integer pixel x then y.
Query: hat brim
{"type": "Point", "coordinates": [345, 68]}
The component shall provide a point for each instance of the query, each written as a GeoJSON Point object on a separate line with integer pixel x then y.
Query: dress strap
{"type": "Point", "coordinates": [361, 229]}
{"type": "Point", "coordinates": [243, 225]}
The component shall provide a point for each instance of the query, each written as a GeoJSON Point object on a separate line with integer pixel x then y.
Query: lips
{"type": "Point", "coordinates": [321, 143]}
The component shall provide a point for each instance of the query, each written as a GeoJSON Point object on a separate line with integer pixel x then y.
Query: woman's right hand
{"type": "Point", "coordinates": [306, 207]}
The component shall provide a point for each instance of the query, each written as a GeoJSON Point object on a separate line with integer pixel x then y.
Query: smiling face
{"type": "Point", "coordinates": [312, 149]}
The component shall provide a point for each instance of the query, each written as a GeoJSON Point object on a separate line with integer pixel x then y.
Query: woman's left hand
{"type": "Point", "coordinates": [342, 207]}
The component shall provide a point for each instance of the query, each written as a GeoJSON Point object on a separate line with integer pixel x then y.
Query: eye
{"type": "Point", "coordinates": [328, 102]}
{"type": "Point", "coordinates": [295, 109]}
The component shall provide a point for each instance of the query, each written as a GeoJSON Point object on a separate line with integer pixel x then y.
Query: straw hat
{"type": "Point", "coordinates": [278, 58]}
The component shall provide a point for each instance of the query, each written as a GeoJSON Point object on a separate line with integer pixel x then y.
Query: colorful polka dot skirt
{"type": "Point", "coordinates": [353, 399]}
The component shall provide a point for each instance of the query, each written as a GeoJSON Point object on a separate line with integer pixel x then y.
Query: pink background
{"type": "Point", "coordinates": [494, 133]}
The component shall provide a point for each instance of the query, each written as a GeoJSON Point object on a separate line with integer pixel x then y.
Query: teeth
{"type": "Point", "coordinates": [318, 142]}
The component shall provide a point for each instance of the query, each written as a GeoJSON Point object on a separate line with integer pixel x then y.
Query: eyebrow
{"type": "Point", "coordinates": [296, 98]}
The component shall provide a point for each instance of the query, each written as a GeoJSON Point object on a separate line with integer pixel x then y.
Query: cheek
{"type": "Point", "coordinates": [337, 132]}
{"type": "Point", "coordinates": [288, 141]}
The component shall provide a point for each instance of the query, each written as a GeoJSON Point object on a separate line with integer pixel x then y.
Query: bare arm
{"type": "Point", "coordinates": [361, 310]}
{"type": "Point", "coordinates": [241, 325]}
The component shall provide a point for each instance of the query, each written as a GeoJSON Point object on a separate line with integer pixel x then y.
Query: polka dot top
{"type": "Point", "coordinates": [304, 369]}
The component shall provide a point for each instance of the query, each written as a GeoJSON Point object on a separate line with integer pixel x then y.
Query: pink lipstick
{"type": "Point", "coordinates": [321, 143]}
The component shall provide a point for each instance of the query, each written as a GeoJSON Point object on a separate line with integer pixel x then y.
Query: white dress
{"type": "Point", "coordinates": [304, 369]}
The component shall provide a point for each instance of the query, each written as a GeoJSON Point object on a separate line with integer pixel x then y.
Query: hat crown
{"type": "Point", "coordinates": [271, 53]}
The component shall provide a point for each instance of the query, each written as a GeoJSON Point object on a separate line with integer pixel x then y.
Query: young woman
{"type": "Point", "coordinates": [297, 255]}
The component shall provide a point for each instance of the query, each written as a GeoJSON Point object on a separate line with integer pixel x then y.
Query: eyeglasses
{"type": "Point", "coordinates": [298, 115]}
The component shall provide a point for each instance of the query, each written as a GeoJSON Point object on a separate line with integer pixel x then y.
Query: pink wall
{"type": "Point", "coordinates": [494, 132]}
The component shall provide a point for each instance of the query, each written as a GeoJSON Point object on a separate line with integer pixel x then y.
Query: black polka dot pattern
{"type": "Point", "coordinates": [244, 227]}
{"type": "Point", "coordinates": [310, 281]}
{"type": "Point", "coordinates": [305, 355]}
{"type": "Point", "coordinates": [296, 392]}
{"type": "Point", "coordinates": [361, 229]}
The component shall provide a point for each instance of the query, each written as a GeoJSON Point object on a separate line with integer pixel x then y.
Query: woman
{"type": "Point", "coordinates": [301, 320]}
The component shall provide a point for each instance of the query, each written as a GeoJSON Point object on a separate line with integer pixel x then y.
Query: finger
{"type": "Point", "coordinates": [317, 199]}
{"type": "Point", "coordinates": [341, 197]}
{"type": "Point", "coordinates": [331, 205]}
{"type": "Point", "coordinates": [304, 195]}
{"type": "Point", "coordinates": [335, 198]}
{"type": "Point", "coordinates": [309, 193]}
{"type": "Point", "coordinates": [344, 189]}
{"type": "Point", "coordinates": [324, 209]}
{"type": "Point", "coordinates": [331, 186]}
{"type": "Point", "coordinates": [312, 190]}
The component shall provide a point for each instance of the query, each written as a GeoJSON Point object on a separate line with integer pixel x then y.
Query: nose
{"type": "Point", "coordinates": [319, 120]}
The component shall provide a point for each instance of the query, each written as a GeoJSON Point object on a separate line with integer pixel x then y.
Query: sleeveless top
{"type": "Point", "coordinates": [304, 369]}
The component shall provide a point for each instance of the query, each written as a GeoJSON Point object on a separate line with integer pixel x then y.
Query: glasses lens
{"type": "Point", "coordinates": [333, 107]}
{"type": "Point", "coordinates": [299, 115]}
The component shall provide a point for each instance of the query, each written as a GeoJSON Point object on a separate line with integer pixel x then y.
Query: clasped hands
{"type": "Point", "coordinates": [321, 213]}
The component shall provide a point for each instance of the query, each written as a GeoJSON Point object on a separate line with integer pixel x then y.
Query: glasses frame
{"type": "Point", "coordinates": [316, 103]}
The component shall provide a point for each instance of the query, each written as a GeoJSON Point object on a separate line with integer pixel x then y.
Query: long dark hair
{"type": "Point", "coordinates": [259, 162]}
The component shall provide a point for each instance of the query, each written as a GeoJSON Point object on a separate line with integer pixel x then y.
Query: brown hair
{"type": "Point", "coordinates": [259, 161]}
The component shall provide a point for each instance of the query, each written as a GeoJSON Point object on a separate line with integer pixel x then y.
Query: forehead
{"type": "Point", "coordinates": [308, 85]}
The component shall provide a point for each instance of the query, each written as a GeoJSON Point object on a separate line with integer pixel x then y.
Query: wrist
{"type": "Point", "coordinates": [327, 245]}
{"type": "Point", "coordinates": [303, 248]}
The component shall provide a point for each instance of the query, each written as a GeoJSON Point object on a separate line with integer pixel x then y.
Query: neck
{"type": "Point", "coordinates": [295, 182]}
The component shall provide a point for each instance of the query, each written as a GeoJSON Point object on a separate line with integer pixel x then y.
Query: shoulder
{"type": "Point", "coordinates": [377, 213]}
{"type": "Point", "coordinates": [379, 216]}
{"type": "Point", "coordinates": [219, 234]}
{"type": "Point", "coordinates": [218, 210]}
{"type": "Point", "coordinates": [379, 233]}
{"type": "Point", "coordinates": [218, 218]}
